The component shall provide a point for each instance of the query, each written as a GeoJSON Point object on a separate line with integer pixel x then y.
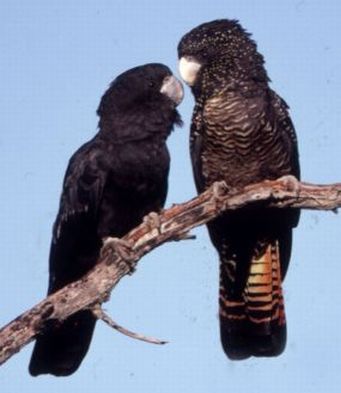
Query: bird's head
{"type": "Point", "coordinates": [221, 48]}
{"type": "Point", "coordinates": [141, 101]}
{"type": "Point", "coordinates": [142, 86]}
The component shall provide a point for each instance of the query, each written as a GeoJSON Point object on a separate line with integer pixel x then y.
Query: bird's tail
{"type": "Point", "coordinates": [253, 323]}
{"type": "Point", "coordinates": [61, 348]}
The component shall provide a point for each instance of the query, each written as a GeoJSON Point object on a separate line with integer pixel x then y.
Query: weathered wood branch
{"type": "Point", "coordinates": [100, 314]}
{"type": "Point", "coordinates": [174, 224]}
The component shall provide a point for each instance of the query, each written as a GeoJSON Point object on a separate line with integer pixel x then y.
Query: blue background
{"type": "Point", "coordinates": [57, 58]}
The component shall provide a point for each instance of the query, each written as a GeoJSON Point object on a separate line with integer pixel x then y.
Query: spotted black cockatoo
{"type": "Point", "coordinates": [241, 132]}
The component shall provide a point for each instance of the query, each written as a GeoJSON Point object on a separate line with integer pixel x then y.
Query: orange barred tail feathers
{"type": "Point", "coordinates": [253, 324]}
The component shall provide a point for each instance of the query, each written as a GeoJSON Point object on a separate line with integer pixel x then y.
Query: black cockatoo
{"type": "Point", "coordinates": [111, 183]}
{"type": "Point", "coordinates": [241, 132]}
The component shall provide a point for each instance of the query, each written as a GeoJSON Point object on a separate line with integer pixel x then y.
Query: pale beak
{"type": "Point", "coordinates": [189, 69]}
{"type": "Point", "coordinates": [173, 89]}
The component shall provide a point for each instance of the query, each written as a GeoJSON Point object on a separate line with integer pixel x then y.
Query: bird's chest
{"type": "Point", "coordinates": [136, 185]}
{"type": "Point", "coordinates": [229, 143]}
{"type": "Point", "coordinates": [140, 171]}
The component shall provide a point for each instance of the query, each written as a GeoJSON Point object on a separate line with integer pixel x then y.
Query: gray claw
{"type": "Point", "coordinates": [123, 248]}
{"type": "Point", "coordinates": [291, 183]}
{"type": "Point", "coordinates": [153, 221]}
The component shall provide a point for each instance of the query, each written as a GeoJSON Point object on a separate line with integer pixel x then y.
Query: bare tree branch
{"type": "Point", "coordinates": [100, 314]}
{"type": "Point", "coordinates": [173, 224]}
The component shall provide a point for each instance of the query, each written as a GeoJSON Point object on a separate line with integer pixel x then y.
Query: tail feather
{"type": "Point", "coordinates": [253, 323]}
{"type": "Point", "coordinates": [61, 349]}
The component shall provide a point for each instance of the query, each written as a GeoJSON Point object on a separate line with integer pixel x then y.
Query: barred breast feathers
{"type": "Point", "coordinates": [236, 127]}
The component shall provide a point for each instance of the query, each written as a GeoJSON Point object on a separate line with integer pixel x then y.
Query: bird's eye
{"type": "Point", "coordinates": [151, 83]}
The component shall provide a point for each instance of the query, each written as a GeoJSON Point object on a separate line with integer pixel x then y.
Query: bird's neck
{"type": "Point", "coordinates": [230, 74]}
{"type": "Point", "coordinates": [138, 125]}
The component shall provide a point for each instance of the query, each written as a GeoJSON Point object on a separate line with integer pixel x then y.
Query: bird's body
{"type": "Point", "coordinates": [111, 183]}
{"type": "Point", "coordinates": [241, 133]}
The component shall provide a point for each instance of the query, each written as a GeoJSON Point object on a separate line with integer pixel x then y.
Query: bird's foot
{"type": "Point", "coordinates": [153, 221]}
{"type": "Point", "coordinates": [219, 191]}
{"type": "Point", "coordinates": [291, 183]}
{"type": "Point", "coordinates": [122, 248]}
